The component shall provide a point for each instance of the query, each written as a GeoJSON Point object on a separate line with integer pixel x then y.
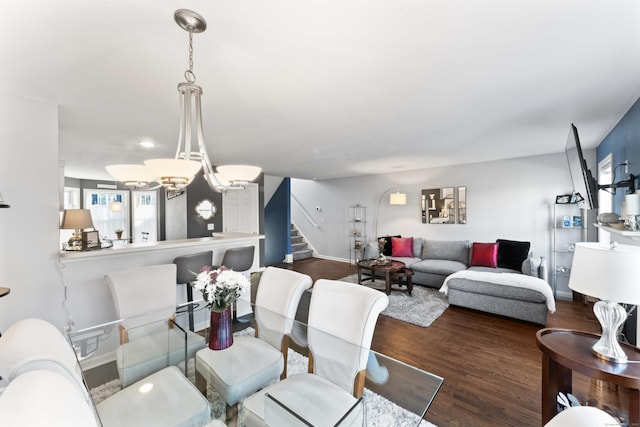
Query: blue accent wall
{"type": "Point", "coordinates": [624, 142]}
{"type": "Point", "coordinates": [277, 224]}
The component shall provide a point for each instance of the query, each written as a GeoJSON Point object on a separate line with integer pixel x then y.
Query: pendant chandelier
{"type": "Point", "coordinates": [191, 153]}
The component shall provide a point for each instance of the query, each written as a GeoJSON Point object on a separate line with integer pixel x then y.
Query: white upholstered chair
{"type": "Point", "coordinates": [31, 344]}
{"type": "Point", "coordinates": [36, 358]}
{"type": "Point", "coordinates": [342, 319]}
{"type": "Point", "coordinates": [145, 300]}
{"type": "Point", "coordinates": [45, 398]}
{"type": "Point", "coordinates": [582, 416]}
{"type": "Point", "coordinates": [253, 362]}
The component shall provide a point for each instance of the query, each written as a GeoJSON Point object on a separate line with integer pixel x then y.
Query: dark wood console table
{"type": "Point", "coordinates": [565, 351]}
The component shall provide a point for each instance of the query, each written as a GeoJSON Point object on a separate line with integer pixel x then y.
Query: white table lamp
{"type": "Point", "coordinates": [611, 274]}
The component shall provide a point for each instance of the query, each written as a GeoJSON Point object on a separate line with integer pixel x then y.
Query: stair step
{"type": "Point", "coordinates": [304, 254]}
{"type": "Point", "coordinates": [296, 239]}
{"type": "Point", "coordinates": [298, 246]}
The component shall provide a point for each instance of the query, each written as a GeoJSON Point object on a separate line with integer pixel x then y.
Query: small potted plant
{"type": "Point", "coordinates": [119, 233]}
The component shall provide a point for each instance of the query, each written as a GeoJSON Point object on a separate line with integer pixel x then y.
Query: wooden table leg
{"type": "Point", "coordinates": [634, 407]}
{"type": "Point", "coordinates": [359, 275]}
{"type": "Point", "coordinates": [409, 284]}
{"type": "Point", "coordinates": [555, 378]}
{"type": "Point", "coordinates": [387, 286]}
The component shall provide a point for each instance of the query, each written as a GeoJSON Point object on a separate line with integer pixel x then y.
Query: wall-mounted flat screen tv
{"type": "Point", "coordinates": [584, 184]}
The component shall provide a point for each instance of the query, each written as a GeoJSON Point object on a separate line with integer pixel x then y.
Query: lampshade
{"type": "Point", "coordinates": [76, 219]}
{"type": "Point", "coordinates": [132, 175]}
{"type": "Point", "coordinates": [115, 206]}
{"type": "Point", "coordinates": [632, 203]}
{"type": "Point", "coordinates": [174, 173]}
{"type": "Point", "coordinates": [397, 198]}
{"type": "Point", "coordinates": [235, 174]}
{"type": "Point", "coordinates": [611, 274]}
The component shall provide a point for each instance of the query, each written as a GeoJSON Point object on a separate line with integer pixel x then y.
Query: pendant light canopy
{"type": "Point", "coordinates": [191, 154]}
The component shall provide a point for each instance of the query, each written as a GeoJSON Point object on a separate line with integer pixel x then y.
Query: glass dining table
{"type": "Point", "coordinates": [395, 393]}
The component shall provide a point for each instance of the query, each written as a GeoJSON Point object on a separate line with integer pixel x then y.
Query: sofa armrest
{"type": "Point", "coordinates": [536, 267]}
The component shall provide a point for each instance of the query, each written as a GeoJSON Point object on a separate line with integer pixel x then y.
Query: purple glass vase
{"type": "Point", "coordinates": [220, 329]}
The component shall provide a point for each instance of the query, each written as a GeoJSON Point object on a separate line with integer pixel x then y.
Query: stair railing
{"type": "Point", "coordinates": [304, 211]}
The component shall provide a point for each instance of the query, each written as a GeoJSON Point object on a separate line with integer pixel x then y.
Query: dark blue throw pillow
{"type": "Point", "coordinates": [512, 253]}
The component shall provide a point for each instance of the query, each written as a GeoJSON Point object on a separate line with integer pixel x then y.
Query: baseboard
{"type": "Point", "coordinates": [97, 360]}
{"type": "Point", "coordinates": [331, 258]}
{"type": "Point", "coordinates": [565, 296]}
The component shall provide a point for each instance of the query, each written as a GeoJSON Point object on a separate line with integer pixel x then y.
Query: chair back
{"type": "Point", "coordinates": [188, 266]}
{"type": "Point", "coordinates": [34, 344]}
{"type": "Point", "coordinates": [45, 398]}
{"type": "Point", "coordinates": [277, 299]}
{"type": "Point", "coordinates": [239, 259]}
{"type": "Point", "coordinates": [349, 312]}
{"type": "Point", "coordinates": [143, 295]}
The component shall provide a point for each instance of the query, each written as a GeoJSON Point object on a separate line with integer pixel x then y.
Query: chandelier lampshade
{"type": "Point", "coordinates": [237, 174]}
{"type": "Point", "coordinates": [137, 176]}
{"type": "Point", "coordinates": [174, 174]}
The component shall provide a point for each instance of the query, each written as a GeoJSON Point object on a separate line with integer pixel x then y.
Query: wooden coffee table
{"type": "Point", "coordinates": [392, 271]}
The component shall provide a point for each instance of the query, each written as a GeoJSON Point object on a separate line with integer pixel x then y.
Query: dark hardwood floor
{"type": "Point", "coordinates": [490, 364]}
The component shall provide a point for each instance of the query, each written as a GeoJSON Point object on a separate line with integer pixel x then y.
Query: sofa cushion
{"type": "Point", "coordinates": [417, 247]}
{"type": "Point", "coordinates": [438, 266]}
{"type": "Point", "coordinates": [496, 290]}
{"type": "Point", "coordinates": [512, 253]}
{"type": "Point", "coordinates": [484, 255]}
{"type": "Point", "coordinates": [387, 245]}
{"type": "Point", "coordinates": [531, 266]}
{"type": "Point", "coordinates": [446, 250]}
{"type": "Point", "coordinates": [402, 246]}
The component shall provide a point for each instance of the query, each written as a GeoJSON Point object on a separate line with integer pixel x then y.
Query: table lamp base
{"type": "Point", "coordinates": [611, 316]}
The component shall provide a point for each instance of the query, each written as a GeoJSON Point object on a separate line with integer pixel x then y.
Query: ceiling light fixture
{"type": "Point", "coordinates": [147, 144]}
{"type": "Point", "coordinates": [175, 174]}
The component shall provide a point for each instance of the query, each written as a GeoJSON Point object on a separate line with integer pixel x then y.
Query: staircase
{"type": "Point", "coordinates": [299, 247]}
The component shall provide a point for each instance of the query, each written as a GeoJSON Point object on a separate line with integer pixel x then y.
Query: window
{"type": "Point", "coordinates": [105, 220]}
{"type": "Point", "coordinates": [145, 215]}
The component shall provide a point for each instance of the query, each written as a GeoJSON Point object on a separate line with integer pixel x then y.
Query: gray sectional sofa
{"type": "Point", "coordinates": [498, 290]}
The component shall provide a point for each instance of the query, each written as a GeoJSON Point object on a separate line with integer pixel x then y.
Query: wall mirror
{"type": "Point", "coordinates": [443, 205]}
{"type": "Point", "coordinates": [206, 209]}
{"type": "Point", "coordinates": [462, 205]}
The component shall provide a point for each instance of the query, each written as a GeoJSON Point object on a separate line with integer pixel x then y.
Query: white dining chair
{"type": "Point", "coordinates": [342, 319]}
{"type": "Point", "coordinates": [253, 362]}
{"type": "Point", "coordinates": [145, 300]}
{"type": "Point", "coordinates": [43, 397]}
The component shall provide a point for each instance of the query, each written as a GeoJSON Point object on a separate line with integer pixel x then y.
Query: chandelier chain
{"type": "Point", "coordinates": [189, 74]}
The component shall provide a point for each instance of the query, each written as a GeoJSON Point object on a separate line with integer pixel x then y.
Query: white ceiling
{"type": "Point", "coordinates": [326, 88]}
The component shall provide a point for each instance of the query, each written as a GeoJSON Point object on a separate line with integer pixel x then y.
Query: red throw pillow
{"type": "Point", "coordinates": [402, 246]}
{"type": "Point", "coordinates": [484, 255]}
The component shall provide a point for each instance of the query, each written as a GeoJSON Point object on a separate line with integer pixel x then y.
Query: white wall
{"type": "Point", "coordinates": [29, 229]}
{"type": "Point", "coordinates": [509, 199]}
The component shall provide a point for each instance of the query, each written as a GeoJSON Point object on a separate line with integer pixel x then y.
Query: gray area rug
{"type": "Point", "coordinates": [380, 412]}
{"type": "Point", "coordinates": [422, 308]}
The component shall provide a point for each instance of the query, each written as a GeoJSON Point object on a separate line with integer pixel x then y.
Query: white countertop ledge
{"type": "Point", "coordinates": [216, 239]}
